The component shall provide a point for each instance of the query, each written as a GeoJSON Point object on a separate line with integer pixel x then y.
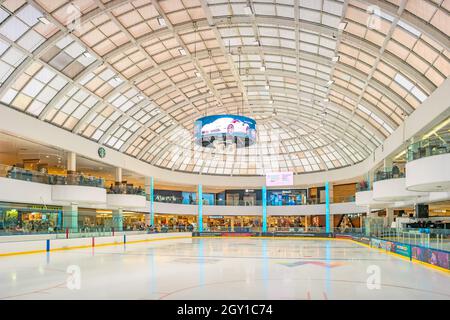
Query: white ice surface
{"type": "Point", "coordinates": [221, 269]}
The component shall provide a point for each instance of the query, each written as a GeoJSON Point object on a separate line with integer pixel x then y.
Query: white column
{"type": "Point", "coordinates": [389, 217]}
{"type": "Point", "coordinates": [117, 217]}
{"type": "Point", "coordinates": [70, 217]}
{"type": "Point", "coordinates": [118, 174]}
{"type": "Point", "coordinates": [71, 161]}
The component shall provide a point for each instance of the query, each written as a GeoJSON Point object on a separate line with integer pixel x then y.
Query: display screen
{"type": "Point", "coordinates": [225, 129]}
{"type": "Point", "coordinates": [279, 179]}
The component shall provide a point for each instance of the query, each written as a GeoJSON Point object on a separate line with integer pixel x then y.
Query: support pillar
{"type": "Point", "coordinates": [70, 217]}
{"type": "Point", "coordinates": [327, 208]}
{"type": "Point", "coordinates": [264, 209]}
{"type": "Point", "coordinates": [117, 217]}
{"type": "Point", "coordinates": [389, 217]}
{"type": "Point", "coordinates": [119, 175]}
{"type": "Point", "coordinates": [71, 161]}
{"type": "Point", "coordinates": [200, 207]}
{"type": "Point", "coordinates": [150, 190]}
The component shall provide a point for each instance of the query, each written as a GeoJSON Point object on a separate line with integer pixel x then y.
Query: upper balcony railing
{"type": "Point", "coordinates": [13, 172]}
{"type": "Point", "coordinates": [431, 146]}
{"type": "Point", "coordinates": [247, 203]}
{"type": "Point", "coordinates": [127, 189]}
{"type": "Point", "coordinates": [389, 173]}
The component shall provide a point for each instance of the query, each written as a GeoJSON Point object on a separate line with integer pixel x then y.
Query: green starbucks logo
{"type": "Point", "coordinates": [101, 152]}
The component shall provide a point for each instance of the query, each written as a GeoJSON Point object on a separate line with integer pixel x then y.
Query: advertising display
{"type": "Point", "coordinates": [277, 179]}
{"type": "Point", "coordinates": [399, 248]}
{"type": "Point", "coordinates": [225, 129]}
{"type": "Point", "coordinates": [432, 256]}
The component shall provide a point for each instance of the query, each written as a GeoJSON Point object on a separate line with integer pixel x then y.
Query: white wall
{"type": "Point", "coordinates": [393, 190]}
{"type": "Point", "coordinates": [126, 201]}
{"type": "Point", "coordinates": [426, 174]}
{"type": "Point", "coordinates": [78, 194]}
{"type": "Point", "coordinates": [174, 208]}
{"type": "Point", "coordinates": [25, 192]}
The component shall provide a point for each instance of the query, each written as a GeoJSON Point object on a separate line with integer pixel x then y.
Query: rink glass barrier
{"type": "Point", "coordinates": [431, 146]}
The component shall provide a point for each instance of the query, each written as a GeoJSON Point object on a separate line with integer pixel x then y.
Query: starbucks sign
{"type": "Point", "coordinates": [101, 152]}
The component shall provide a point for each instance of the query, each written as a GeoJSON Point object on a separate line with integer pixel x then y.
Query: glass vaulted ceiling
{"type": "Point", "coordinates": [326, 80]}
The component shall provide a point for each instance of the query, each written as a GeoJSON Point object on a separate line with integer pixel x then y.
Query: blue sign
{"type": "Point", "coordinates": [225, 129]}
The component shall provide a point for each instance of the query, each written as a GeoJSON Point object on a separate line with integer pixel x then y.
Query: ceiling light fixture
{"type": "Point", "coordinates": [182, 51]}
{"type": "Point", "coordinates": [267, 86]}
{"type": "Point", "coordinates": [248, 9]}
{"type": "Point", "coordinates": [198, 74]}
{"type": "Point", "coordinates": [335, 59]}
{"type": "Point", "coordinates": [329, 83]}
{"type": "Point", "coordinates": [162, 22]}
{"type": "Point", "coordinates": [262, 68]}
{"type": "Point", "coordinates": [44, 20]}
{"type": "Point", "coordinates": [87, 55]}
{"type": "Point", "coordinates": [342, 25]}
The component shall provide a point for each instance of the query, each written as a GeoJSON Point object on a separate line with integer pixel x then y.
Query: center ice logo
{"type": "Point", "coordinates": [74, 279]}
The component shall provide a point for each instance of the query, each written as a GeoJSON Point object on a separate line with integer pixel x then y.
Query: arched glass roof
{"type": "Point", "coordinates": [326, 80]}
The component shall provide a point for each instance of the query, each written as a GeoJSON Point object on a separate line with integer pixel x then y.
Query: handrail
{"type": "Point", "coordinates": [17, 173]}
{"type": "Point", "coordinates": [430, 146]}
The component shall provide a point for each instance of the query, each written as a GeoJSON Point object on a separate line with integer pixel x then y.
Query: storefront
{"type": "Point", "coordinates": [92, 219]}
{"type": "Point", "coordinates": [174, 221]}
{"type": "Point", "coordinates": [231, 223]}
{"type": "Point", "coordinates": [280, 222]}
{"type": "Point", "coordinates": [29, 218]}
{"type": "Point", "coordinates": [246, 197]}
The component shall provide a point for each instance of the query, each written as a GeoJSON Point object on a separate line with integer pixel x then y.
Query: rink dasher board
{"type": "Point", "coordinates": [40, 246]}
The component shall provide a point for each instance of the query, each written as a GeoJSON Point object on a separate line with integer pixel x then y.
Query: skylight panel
{"type": "Point", "coordinates": [416, 92]}
{"type": "Point", "coordinates": [405, 83]}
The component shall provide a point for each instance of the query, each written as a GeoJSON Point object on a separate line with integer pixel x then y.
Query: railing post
{"type": "Point", "coordinates": [67, 233]}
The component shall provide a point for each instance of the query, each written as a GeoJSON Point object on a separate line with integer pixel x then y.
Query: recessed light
{"type": "Point", "coordinates": [335, 59]}
{"type": "Point", "coordinates": [198, 74]}
{"type": "Point", "coordinates": [262, 68]}
{"type": "Point", "coordinates": [87, 54]}
{"type": "Point", "coordinates": [182, 51]}
{"type": "Point", "coordinates": [162, 22]}
{"type": "Point", "coordinates": [117, 79]}
{"type": "Point", "coordinates": [329, 83]}
{"type": "Point", "coordinates": [140, 97]}
{"type": "Point", "coordinates": [267, 86]}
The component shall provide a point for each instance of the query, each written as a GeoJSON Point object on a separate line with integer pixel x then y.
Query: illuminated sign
{"type": "Point", "coordinates": [279, 179]}
{"type": "Point", "coordinates": [225, 129]}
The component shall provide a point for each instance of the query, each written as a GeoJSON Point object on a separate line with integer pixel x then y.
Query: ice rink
{"type": "Point", "coordinates": [220, 269]}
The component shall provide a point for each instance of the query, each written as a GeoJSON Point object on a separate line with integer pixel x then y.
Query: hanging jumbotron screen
{"type": "Point", "coordinates": [225, 129]}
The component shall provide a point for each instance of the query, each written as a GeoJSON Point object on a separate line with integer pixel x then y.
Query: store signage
{"type": "Point", "coordinates": [165, 198]}
{"type": "Point", "coordinates": [36, 207]}
{"type": "Point", "coordinates": [279, 179]}
{"type": "Point", "coordinates": [215, 217]}
{"type": "Point", "coordinates": [101, 152]}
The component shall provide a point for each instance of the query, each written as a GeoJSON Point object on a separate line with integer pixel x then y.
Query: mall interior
{"type": "Point", "coordinates": [222, 118]}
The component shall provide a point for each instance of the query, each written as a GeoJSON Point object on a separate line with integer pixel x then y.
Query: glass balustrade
{"type": "Point", "coordinates": [13, 172]}
{"type": "Point", "coordinates": [389, 173]}
{"type": "Point", "coordinates": [430, 146]}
